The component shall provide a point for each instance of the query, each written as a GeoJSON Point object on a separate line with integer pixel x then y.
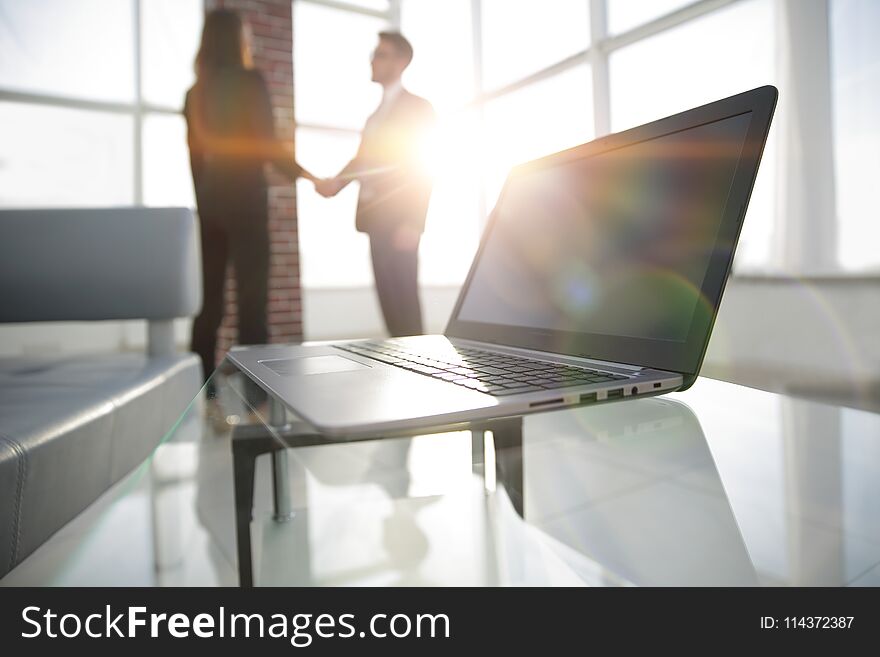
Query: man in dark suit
{"type": "Point", "coordinates": [394, 187]}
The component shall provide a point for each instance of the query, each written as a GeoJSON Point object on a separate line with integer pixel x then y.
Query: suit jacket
{"type": "Point", "coordinates": [395, 188]}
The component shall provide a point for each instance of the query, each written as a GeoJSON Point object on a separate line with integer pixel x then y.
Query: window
{"type": "Point", "coordinates": [332, 254]}
{"type": "Point", "coordinates": [56, 156]}
{"type": "Point", "coordinates": [660, 75]}
{"type": "Point", "coordinates": [331, 59]}
{"type": "Point", "coordinates": [442, 69]}
{"type": "Point", "coordinates": [452, 231]}
{"type": "Point", "coordinates": [87, 118]}
{"type": "Point", "coordinates": [443, 72]}
{"type": "Point", "coordinates": [166, 172]}
{"type": "Point", "coordinates": [75, 49]}
{"type": "Point", "coordinates": [75, 128]}
{"type": "Point", "coordinates": [333, 97]}
{"type": "Point", "coordinates": [536, 120]}
{"type": "Point", "coordinates": [521, 37]}
{"type": "Point", "coordinates": [547, 79]}
{"type": "Point", "coordinates": [625, 15]}
{"type": "Point", "coordinates": [170, 32]}
{"type": "Point", "coordinates": [855, 75]}
{"type": "Point", "coordinates": [378, 5]}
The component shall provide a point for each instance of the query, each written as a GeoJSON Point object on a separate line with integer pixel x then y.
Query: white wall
{"type": "Point", "coordinates": [818, 336]}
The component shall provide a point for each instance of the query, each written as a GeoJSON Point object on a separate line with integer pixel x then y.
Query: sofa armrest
{"type": "Point", "coordinates": [99, 264]}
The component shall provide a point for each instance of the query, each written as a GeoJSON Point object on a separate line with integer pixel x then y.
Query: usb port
{"type": "Point", "coordinates": [615, 394]}
{"type": "Point", "coordinates": [548, 402]}
{"type": "Point", "coordinates": [588, 398]}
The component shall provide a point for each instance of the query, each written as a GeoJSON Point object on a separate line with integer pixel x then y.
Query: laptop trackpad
{"type": "Point", "coordinates": [312, 365]}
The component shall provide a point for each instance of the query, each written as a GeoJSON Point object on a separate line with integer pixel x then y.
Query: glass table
{"type": "Point", "coordinates": [719, 485]}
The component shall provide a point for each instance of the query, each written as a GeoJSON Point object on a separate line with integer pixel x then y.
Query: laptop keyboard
{"type": "Point", "coordinates": [486, 371]}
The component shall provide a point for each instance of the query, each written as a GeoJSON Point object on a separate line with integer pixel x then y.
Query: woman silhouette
{"type": "Point", "coordinates": [231, 136]}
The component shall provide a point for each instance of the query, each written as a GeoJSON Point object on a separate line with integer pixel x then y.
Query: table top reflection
{"type": "Point", "coordinates": [719, 485]}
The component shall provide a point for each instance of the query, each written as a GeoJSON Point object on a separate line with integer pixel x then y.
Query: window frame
{"type": "Point", "coordinates": [815, 248]}
{"type": "Point", "coordinates": [596, 55]}
{"type": "Point", "coordinates": [139, 109]}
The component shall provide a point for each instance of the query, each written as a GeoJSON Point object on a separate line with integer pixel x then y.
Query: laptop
{"type": "Point", "coordinates": [597, 279]}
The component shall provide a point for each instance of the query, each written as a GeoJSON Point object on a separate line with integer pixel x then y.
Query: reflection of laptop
{"type": "Point", "coordinates": [657, 532]}
{"type": "Point", "coordinates": [598, 278]}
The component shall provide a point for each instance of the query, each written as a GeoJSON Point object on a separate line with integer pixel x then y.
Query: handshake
{"type": "Point", "coordinates": [328, 187]}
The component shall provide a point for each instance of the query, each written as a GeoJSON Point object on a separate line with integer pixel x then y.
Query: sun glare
{"type": "Point", "coordinates": [457, 147]}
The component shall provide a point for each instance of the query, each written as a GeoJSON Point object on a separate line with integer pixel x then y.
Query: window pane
{"type": "Point", "coordinates": [51, 156]}
{"type": "Point", "coordinates": [755, 249]}
{"type": "Point", "coordinates": [445, 76]}
{"type": "Point", "coordinates": [82, 49]}
{"type": "Point", "coordinates": [521, 37]}
{"type": "Point", "coordinates": [381, 5]}
{"type": "Point", "coordinates": [624, 15]}
{"type": "Point", "coordinates": [660, 76]}
{"type": "Point", "coordinates": [454, 222]}
{"type": "Point", "coordinates": [855, 54]}
{"type": "Point", "coordinates": [170, 32]}
{"type": "Point", "coordinates": [167, 178]}
{"type": "Point", "coordinates": [332, 253]}
{"type": "Point", "coordinates": [539, 119]}
{"type": "Point", "coordinates": [442, 74]}
{"type": "Point", "coordinates": [452, 231]}
{"type": "Point", "coordinates": [331, 66]}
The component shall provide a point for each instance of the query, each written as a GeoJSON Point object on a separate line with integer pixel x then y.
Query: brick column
{"type": "Point", "coordinates": [271, 24]}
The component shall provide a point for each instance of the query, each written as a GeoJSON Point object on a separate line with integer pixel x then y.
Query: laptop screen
{"type": "Point", "coordinates": [614, 244]}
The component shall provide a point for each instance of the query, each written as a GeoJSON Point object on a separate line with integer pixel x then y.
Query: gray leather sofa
{"type": "Point", "coordinates": [72, 426]}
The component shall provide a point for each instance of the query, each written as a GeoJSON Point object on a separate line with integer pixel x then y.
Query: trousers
{"type": "Point", "coordinates": [395, 270]}
{"type": "Point", "coordinates": [244, 243]}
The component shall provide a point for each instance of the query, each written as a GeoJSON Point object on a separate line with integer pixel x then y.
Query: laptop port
{"type": "Point", "coordinates": [547, 402]}
{"type": "Point", "coordinates": [634, 391]}
{"type": "Point", "coordinates": [657, 385]}
{"type": "Point", "coordinates": [588, 398]}
{"type": "Point", "coordinates": [615, 394]}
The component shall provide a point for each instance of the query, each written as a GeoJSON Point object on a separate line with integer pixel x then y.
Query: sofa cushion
{"type": "Point", "coordinates": [71, 427]}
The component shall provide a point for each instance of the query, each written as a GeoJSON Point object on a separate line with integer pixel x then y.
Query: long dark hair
{"type": "Point", "coordinates": [223, 43]}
